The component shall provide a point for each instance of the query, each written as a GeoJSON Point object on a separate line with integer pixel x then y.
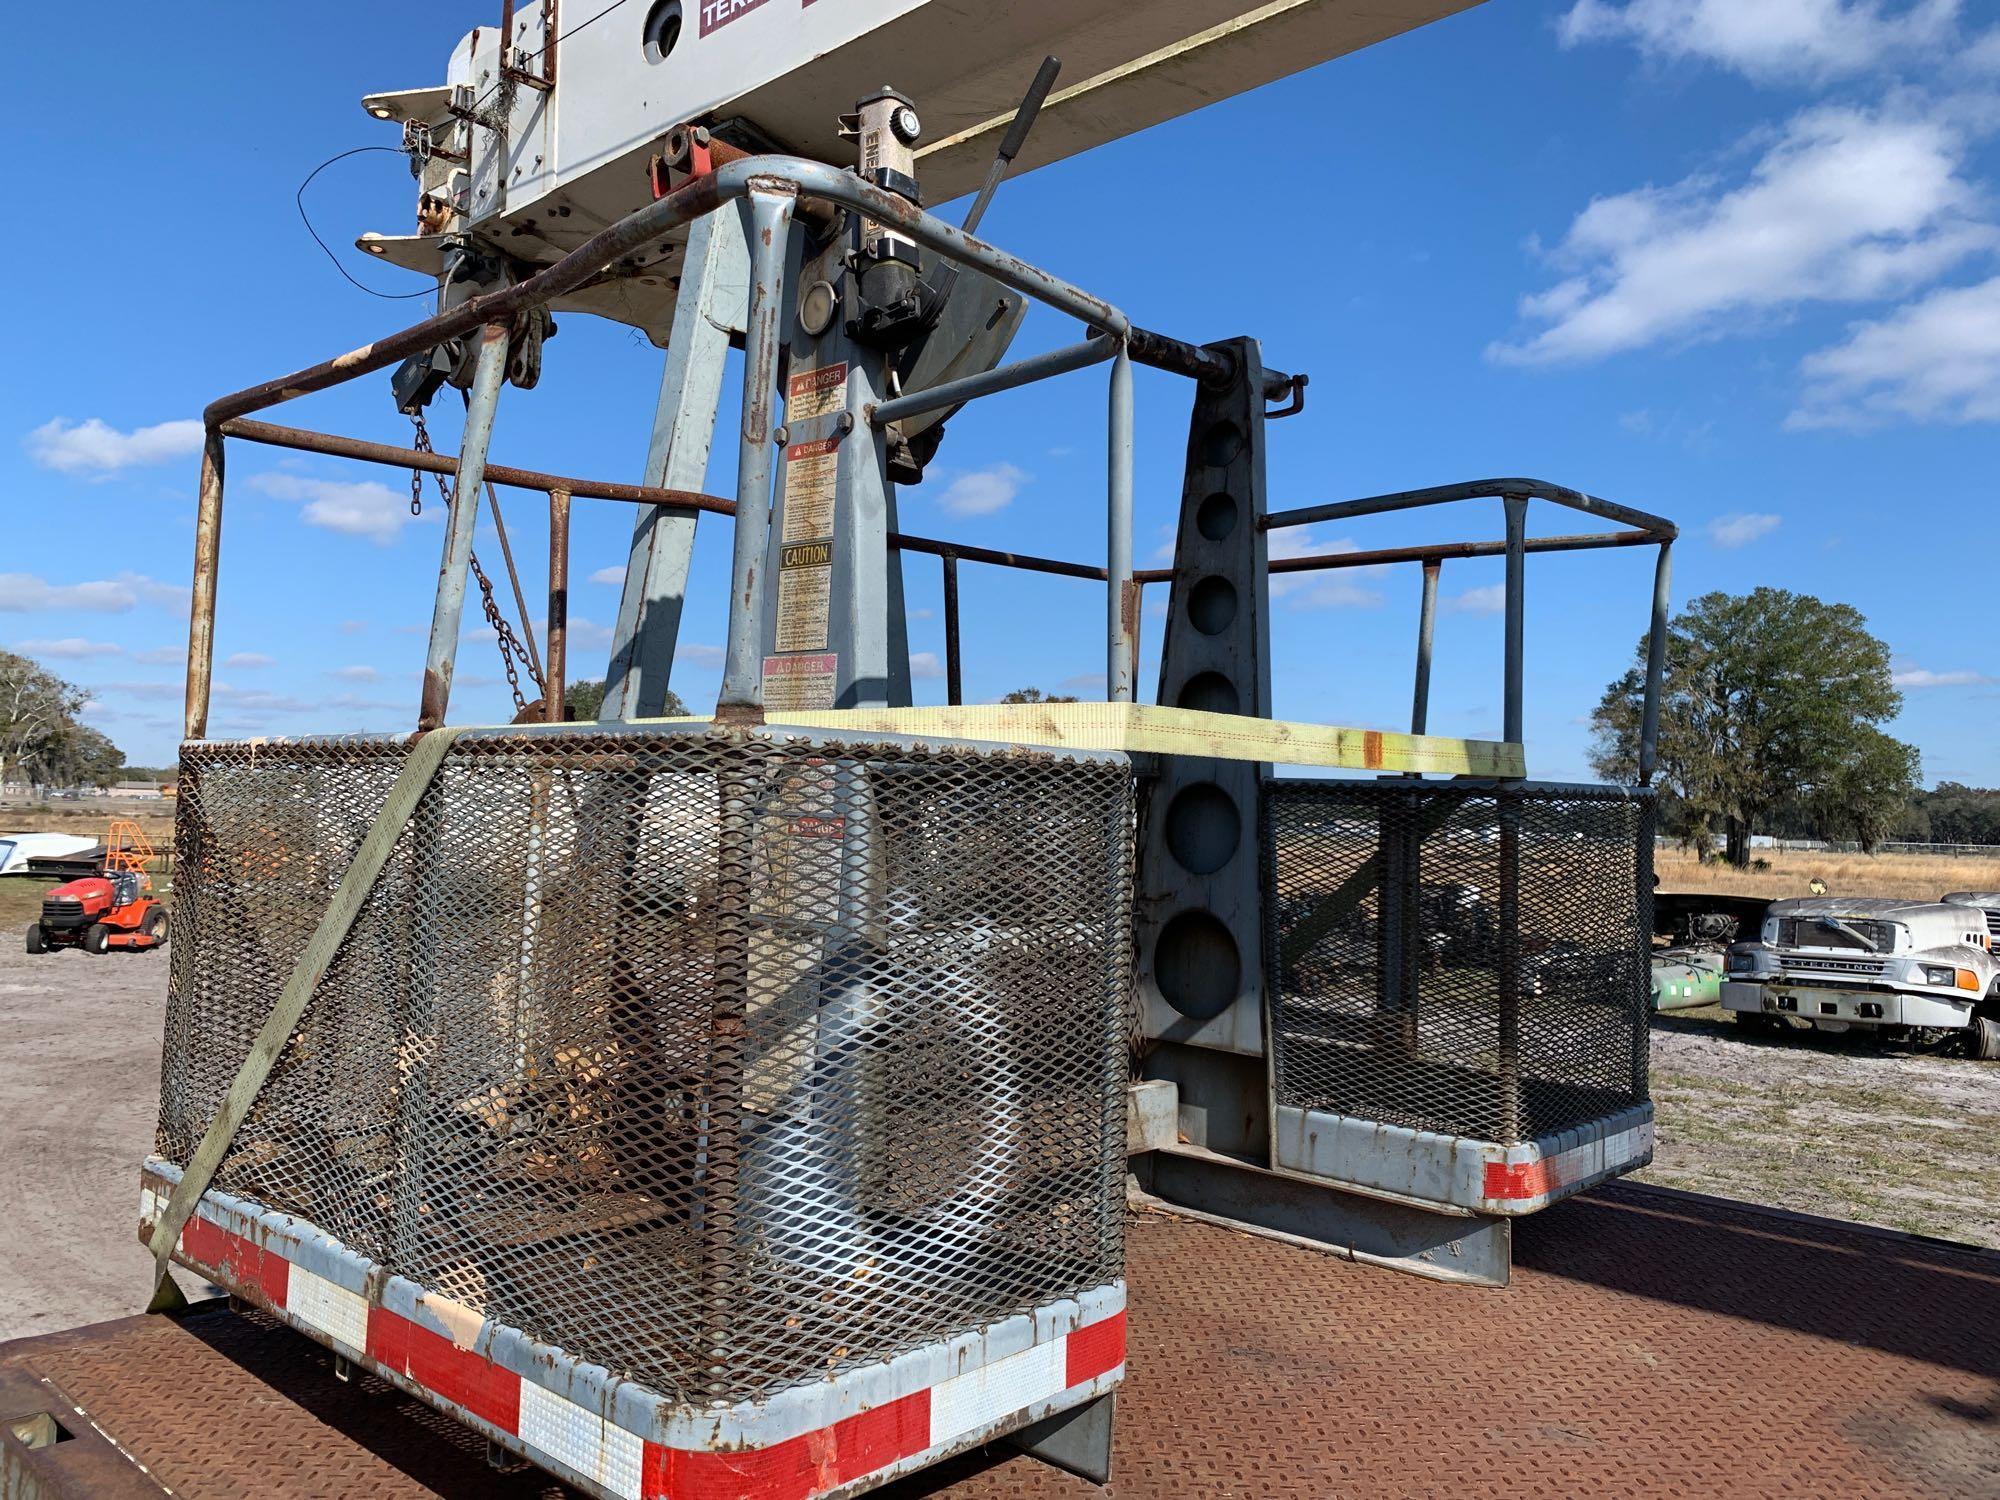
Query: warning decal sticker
{"type": "Point", "coordinates": [800, 681]}
{"type": "Point", "coordinates": [811, 475]}
{"type": "Point", "coordinates": [805, 588]}
{"type": "Point", "coordinates": [816, 393]}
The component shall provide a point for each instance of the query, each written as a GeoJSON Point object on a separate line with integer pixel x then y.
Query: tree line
{"type": "Point", "coordinates": [41, 740]}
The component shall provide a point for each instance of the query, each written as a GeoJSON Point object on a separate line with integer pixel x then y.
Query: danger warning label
{"type": "Point", "coordinates": [816, 393]}
{"type": "Point", "coordinates": [718, 13]}
{"type": "Point", "coordinates": [800, 681]}
{"type": "Point", "coordinates": [812, 472]}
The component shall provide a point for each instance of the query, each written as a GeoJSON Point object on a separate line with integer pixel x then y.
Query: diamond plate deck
{"type": "Point", "coordinates": [1652, 1343]}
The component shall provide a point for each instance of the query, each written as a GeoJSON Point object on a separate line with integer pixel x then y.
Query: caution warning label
{"type": "Point", "coordinates": [816, 393]}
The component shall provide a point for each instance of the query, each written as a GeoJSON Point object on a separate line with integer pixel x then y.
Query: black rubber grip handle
{"type": "Point", "coordinates": [1024, 118]}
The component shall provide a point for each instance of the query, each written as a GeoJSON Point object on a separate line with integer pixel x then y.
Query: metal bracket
{"type": "Point", "coordinates": [1077, 1441]}
{"type": "Point", "coordinates": [1297, 404]}
{"type": "Point", "coordinates": [1469, 1249]}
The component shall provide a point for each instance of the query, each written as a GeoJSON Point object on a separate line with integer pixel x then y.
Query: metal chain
{"type": "Point", "coordinates": [509, 643]}
{"type": "Point", "coordinates": [503, 633]}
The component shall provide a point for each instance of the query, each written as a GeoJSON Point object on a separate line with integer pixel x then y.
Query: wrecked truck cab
{"type": "Point", "coordinates": [1911, 969]}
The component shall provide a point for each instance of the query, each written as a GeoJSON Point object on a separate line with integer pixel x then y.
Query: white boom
{"type": "Point", "coordinates": [538, 146]}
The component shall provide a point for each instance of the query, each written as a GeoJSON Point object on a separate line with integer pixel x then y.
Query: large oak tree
{"type": "Point", "coordinates": [1771, 704]}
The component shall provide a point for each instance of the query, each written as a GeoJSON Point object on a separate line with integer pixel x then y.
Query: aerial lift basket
{"type": "Point", "coordinates": [754, 1083]}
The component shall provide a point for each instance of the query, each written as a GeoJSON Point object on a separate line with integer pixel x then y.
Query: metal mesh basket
{"type": "Point", "coordinates": [723, 1061]}
{"type": "Point", "coordinates": [1470, 960]}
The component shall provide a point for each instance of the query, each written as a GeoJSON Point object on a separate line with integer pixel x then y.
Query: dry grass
{"type": "Point", "coordinates": [88, 818]}
{"type": "Point", "coordinates": [1910, 876]}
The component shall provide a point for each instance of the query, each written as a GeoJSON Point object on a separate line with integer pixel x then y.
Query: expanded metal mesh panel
{"type": "Point", "coordinates": [1465, 960]}
{"type": "Point", "coordinates": [721, 1061]}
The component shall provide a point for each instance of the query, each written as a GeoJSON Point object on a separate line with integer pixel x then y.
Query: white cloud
{"type": "Point", "coordinates": [69, 648]}
{"type": "Point", "coordinates": [356, 674]}
{"type": "Point", "coordinates": [1741, 528]}
{"type": "Point", "coordinates": [1922, 677]}
{"type": "Point", "coordinates": [1487, 599]}
{"type": "Point", "coordinates": [1846, 206]}
{"type": "Point", "coordinates": [696, 654]}
{"type": "Point", "coordinates": [1770, 40]}
{"type": "Point", "coordinates": [1334, 589]}
{"type": "Point", "coordinates": [982, 491]}
{"type": "Point", "coordinates": [22, 593]}
{"type": "Point", "coordinates": [362, 508]}
{"type": "Point", "coordinates": [925, 666]}
{"type": "Point", "coordinates": [920, 614]}
{"type": "Point", "coordinates": [353, 627]}
{"type": "Point", "coordinates": [161, 655]}
{"type": "Point", "coordinates": [588, 635]}
{"type": "Point", "coordinates": [609, 575]}
{"type": "Point", "coordinates": [1935, 360]}
{"type": "Point", "coordinates": [96, 448]}
{"type": "Point", "coordinates": [245, 661]}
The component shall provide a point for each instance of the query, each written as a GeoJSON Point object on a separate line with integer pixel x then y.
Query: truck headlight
{"type": "Point", "coordinates": [1749, 961]}
{"type": "Point", "coordinates": [1938, 974]}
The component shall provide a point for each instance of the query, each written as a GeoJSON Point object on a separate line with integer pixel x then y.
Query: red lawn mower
{"type": "Point", "coordinates": [112, 907]}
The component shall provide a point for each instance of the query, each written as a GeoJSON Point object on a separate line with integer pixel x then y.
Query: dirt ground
{"type": "Point", "coordinates": [79, 1088]}
{"type": "Point", "coordinates": [1834, 1125]}
{"type": "Point", "coordinates": [1827, 1125]}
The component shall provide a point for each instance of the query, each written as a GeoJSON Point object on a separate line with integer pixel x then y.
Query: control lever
{"type": "Point", "coordinates": [1014, 140]}
{"type": "Point", "coordinates": [938, 293]}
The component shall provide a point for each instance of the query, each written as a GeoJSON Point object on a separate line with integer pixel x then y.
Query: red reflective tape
{"type": "Point", "coordinates": [797, 1468]}
{"type": "Point", "coordinates": [875, 1439]}
{"type": "Point", "coordinates": [437, 1364]}
{"type": "Point", "coordinates": [1520, 1179]}
{"type": "Point", "coordinates": [237, 1260]}
{"type": "Point", "coordinates": [1095, 1349]}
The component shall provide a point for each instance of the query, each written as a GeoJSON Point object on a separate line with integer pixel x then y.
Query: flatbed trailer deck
{"type": "Point", "coordinates": [1652, 1342]}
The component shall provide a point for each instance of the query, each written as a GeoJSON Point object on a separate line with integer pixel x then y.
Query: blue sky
{"type": "Point", "coordinates": [1738, 264]}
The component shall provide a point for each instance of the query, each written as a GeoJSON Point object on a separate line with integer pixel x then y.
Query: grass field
{"type": "Point", "coordinates": [1911, 876]}
{"type": "Point", "coordinates": [21, 896]}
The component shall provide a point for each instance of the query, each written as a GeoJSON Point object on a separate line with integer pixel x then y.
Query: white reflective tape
{"type": "Point", "coordinates": [607, 1455]}
{"type": "Point", "coordinates": [327, 1308]}
{"type": "Point", "coordinates": [982, 1397]}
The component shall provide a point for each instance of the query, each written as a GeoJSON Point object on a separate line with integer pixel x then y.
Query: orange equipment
{"type": "Point", "coordinates": [113, 908]}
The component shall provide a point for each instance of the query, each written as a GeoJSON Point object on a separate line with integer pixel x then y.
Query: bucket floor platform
{"type": "Point", "coordinates": [1652, 1342]}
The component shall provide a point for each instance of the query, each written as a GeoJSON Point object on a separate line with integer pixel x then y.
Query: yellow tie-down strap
{"type": "Point", "coordinates": [1144, 728]}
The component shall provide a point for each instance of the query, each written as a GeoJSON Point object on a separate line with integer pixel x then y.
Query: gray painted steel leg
{"type": "Point", "coordinates": [1420, 703]}
{"type": "Point", "coordinates": [1472, 1249]}
{"type": "Point", "coordinates": [715, 278]}
{"type": "Point", "coordinates": [487, 377]}
{"type": "Point", "coordinates": [1122, 604]}
{"type": "Point", "coordinates": [1656, 664]}
{"type": "Point", "coordinates": [1077, 1441]}
{"type": "Point", "coordinates": [770, 238]}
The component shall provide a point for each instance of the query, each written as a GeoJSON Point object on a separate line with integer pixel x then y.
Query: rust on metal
{"type": "Point", "coordinates": [201, 606]}
{"type": "Point", "coordinates": [1862, 1361]}
{"type": "Point", "coordinates": [558, 630]}
{"type": "Point", "coordinates": [389, 454]}
{"type": "Point", "coordinates": [700, 196]}
{"type": "Point", "coordinates": [431, 706]}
